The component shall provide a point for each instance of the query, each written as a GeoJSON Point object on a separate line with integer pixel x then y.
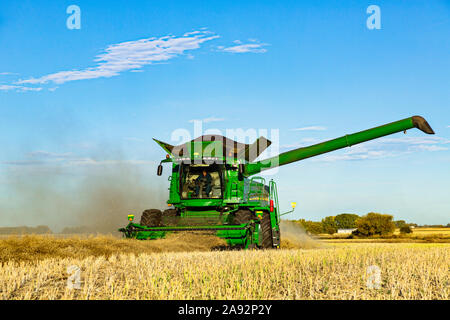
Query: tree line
{"type": "Point", "coordinates": [367, 225]}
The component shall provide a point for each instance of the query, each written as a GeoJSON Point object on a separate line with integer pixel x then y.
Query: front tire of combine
{"type": "Point", "coordinates": [242, 216]}
{"type": "Point", "coordinates": [170, 217]}
{"type": "Point", "coordinates": [151, 218]}
{"type": "Point", "coordinates": [266, 232]}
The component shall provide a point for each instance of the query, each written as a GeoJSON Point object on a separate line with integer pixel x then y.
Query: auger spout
{"type": "Point", "coordinates": [339, 143]}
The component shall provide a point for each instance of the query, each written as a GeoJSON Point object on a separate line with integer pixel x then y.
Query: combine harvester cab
{"type": "Point", "coordinates": [214, 187]}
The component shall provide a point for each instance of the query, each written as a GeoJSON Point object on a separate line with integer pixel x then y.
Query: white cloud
{"type": "Point", "coordinates": [253, 47]}
{"type": "Point", "coordinates": [430, 148]}
{"type": "Point", "coordinates": [377, 149]}
{"type": "Point", "coordinates": [45, 158]}
{"type": "Point", "coordinates": [5, 87]}
{"type": "Point", "coordinates": [312, 128]}
{"type": "Point", "coordinates": [29, 89]}
{"type": "Point", "coordinates": [46, 154]}
{"type": "Point", "coordinates": [207, 120]}
{"type": "Point", "coordinates": [414, 140]}
{"type": "Point", "coordinates": [133, 56]}
{"type": "Point", "coordinates": [8, 74]}
{"type": "Point", "coordinates": [76, 162]}
{"type": "Point", "coordinates": [129, 56]}
{"type": "Point", "coordinates": [389, 147]}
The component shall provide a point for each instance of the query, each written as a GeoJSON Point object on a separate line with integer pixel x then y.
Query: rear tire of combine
{"type": "Point", "coordinates": [170, 217]}
{"type": "Point", "coordinates": [242, 216]}
{"type": "Point", "coordinates": [266, 231]}
{"type": "Point", "coordinates": [151, 218]}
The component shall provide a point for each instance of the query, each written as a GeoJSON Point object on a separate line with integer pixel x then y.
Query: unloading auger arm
{"type": "Point", "coordinates": [339, 143]}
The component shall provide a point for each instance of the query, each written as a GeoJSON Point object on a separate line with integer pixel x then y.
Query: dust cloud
{"type": "Point", "coordinates": [98, 198]}
{"type": "Point", "coordinates": [293, 236]}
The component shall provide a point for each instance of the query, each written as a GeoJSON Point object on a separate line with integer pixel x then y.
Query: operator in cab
{"type": "Point", "coordinates": [203, 180]}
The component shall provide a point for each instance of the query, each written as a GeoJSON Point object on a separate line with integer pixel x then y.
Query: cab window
{"type": "Point", "coordinates": [201, 182]}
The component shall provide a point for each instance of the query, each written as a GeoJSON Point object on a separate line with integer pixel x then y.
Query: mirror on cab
{"type": "Point", "coordinates": [160, 170]}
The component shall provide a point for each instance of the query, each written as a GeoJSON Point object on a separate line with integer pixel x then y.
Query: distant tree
{"type": "Point", "coordinates": [26, 230]}
{"type": "Point", "coordinates": [375, 224]}
{"type": "Point", "coordinates": [399, 223]}
{"type": "Point", "coordinates": [405, 229]}
{"type": "Point", "coordinates": [41, 230]}
{"type": "Point", "coordinates": [346, 220]}
{"type": "Point", "coordinates": [329, 225]}
{"type": "Point", "coordinates": [311, 227]}
{"type": "Point", "coordinates": [315, 227]}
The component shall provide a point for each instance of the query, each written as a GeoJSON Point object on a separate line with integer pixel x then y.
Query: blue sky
{"type": "Point", "coordinates": [75, 101]}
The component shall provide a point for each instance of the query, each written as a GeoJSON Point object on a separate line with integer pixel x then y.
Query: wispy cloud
{"type": "Point", "coordinates": [129, 56]}
{"type": "Point", "coordinates": [389, 147]}
{"type": "Point", "coordinates": [46, 154]}
{"type": "Point", "coordinates": [75, 162]}
{"type": "Point", "coordinates": [8, 74]}
{"type": "Point", "coordinates": [430, 148]}
{"type": "Point", "coordinates": [132, 56]}
{"type": "Point", "coordinates": [312, 128]}
{"type": "Point", "coordinates": [4, 87]}
{"type": "Point", "coordinates": [377, 149]}
{"type": "Point", "coordinates": [207, 120]}
{"type": "Point", "coordinates": [52, 159]}
{"type": "Point", "coordinates": [253, 47]}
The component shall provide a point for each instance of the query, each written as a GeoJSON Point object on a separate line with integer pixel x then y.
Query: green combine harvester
{"type": "Point", "coordinates": [214, 187]}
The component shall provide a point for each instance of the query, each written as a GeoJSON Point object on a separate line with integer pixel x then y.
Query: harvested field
{"type": "Point", "coordinates": [408, 271]}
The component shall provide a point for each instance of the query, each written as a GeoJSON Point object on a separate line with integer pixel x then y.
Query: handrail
{"type": "Point", "coordinates": [274, 197]}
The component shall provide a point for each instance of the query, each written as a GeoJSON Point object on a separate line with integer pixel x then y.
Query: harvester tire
{"type": "Point", "coordinates": [266, 232]}
{"type": "Point", "coordinates": [151, 218]}
{"type": "Point", "coordinates": [242, 216]}
{"type": "Point", "coordinates": [170, 217]}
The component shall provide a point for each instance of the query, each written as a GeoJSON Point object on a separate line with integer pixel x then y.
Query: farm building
{"type": "Point", "coordinates": [346, 231]}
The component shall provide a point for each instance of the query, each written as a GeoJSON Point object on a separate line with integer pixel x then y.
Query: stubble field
{"type": "Point", "coordinates": [127, 269]}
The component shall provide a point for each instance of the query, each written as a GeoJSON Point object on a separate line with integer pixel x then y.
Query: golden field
{"type": "Point", "coordinates": [443, 232]}
{"type": "Point", "coordinates": [419, 235]}
{"type": "Point", "coordinates": [130, 269]}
